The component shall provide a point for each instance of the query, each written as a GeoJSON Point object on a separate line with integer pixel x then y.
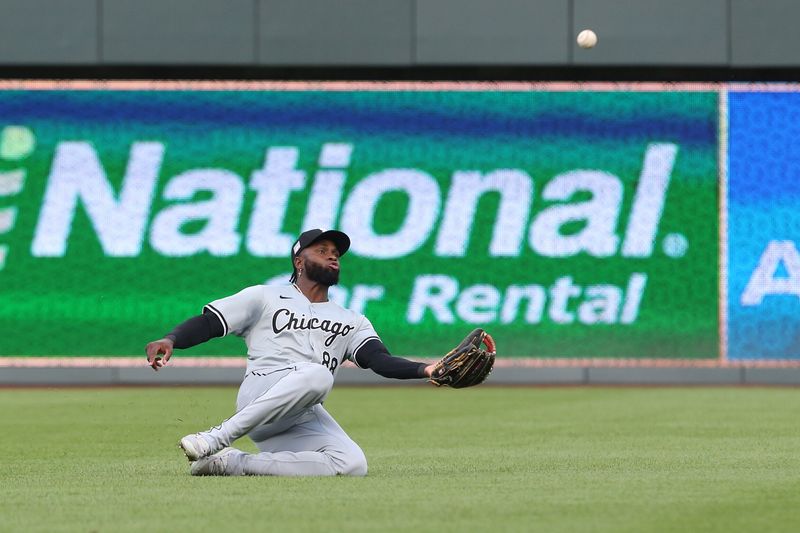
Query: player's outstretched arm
{"type": "Point", "coordinates": [375, 356]}
{"type": "Point", "coordinates": [192, 332]}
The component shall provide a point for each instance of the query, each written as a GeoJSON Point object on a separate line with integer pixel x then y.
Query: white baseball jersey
{"type": "Point", "coordinates": [281, 327]}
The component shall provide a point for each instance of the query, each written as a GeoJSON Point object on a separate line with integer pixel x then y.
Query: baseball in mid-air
{"type": "Point", "coordinates": [587, 39]}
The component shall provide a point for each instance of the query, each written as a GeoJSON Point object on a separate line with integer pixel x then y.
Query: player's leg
{"type": "Point", "coordinates": [264, 401]}
{"type": "Point", "coordinates": [316, 446]}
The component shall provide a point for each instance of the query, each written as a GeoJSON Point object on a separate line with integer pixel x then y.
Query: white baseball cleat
{"type": "Point", "coordinates": [195, 446]}
{"type": "Point", "coordinates": [215, 465]}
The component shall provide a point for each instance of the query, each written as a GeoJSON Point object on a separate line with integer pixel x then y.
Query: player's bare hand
{"type": "Point", "coordinates": [158, 353]}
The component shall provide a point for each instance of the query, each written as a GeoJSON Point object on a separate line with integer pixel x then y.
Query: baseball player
{"type": "Point", "coordinates": [296, 341]}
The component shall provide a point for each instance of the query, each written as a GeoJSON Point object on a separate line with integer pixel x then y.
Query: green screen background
{"type": "Point", "coordinates": [88, 304]}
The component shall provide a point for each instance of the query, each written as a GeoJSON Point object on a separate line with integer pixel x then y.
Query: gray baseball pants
{"type": "Point", "coordinates": [281, 411]}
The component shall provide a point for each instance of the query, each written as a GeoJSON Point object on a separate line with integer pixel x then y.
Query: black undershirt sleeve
{"type": "Point", "coordinates": [375, 356]}
{"type": "Point", "coordinates": [196, 330]}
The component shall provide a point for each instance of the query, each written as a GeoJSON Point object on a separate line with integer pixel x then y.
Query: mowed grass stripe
{"type": "Point", "coordinates": [502, 459]}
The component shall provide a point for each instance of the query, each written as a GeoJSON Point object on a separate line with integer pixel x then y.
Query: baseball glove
{"type": "Point", "coordinates": [467, 364]}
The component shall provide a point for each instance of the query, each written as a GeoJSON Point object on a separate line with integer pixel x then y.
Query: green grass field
{"type": "Point", "coordinates": [505, 459]}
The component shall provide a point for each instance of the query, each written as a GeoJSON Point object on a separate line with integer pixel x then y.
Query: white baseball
{"type": "Point", "coordinates": [587, 39]}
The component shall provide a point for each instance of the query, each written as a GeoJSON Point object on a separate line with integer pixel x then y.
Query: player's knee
{"type": "Point", "coordinates": [355, 464]}
{"type": "Point", "coordinates": [320, 380]}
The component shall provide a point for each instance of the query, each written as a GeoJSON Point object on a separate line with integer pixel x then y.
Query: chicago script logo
{"type": "Point", "coordinates": [284, 319]}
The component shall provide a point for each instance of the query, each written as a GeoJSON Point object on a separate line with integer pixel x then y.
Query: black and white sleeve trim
{"type": "Point", "coordinates": [361, 345]}
{"type": "Point", "coordinates": [216, 312]}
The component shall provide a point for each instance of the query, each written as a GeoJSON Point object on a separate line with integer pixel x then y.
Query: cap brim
{"type": "Point", "coordinates": [340, 239]}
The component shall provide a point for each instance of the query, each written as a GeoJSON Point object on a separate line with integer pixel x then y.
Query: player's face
{"type": "Point", "coordinates": [321, 263]}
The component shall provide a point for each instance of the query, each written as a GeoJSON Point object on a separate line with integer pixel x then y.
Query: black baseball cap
{"type": "Point", "coordinates": [307, 238]}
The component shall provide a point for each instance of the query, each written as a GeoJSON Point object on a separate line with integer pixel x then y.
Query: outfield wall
{"type": "Point", "coordinates": [583, 225]}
